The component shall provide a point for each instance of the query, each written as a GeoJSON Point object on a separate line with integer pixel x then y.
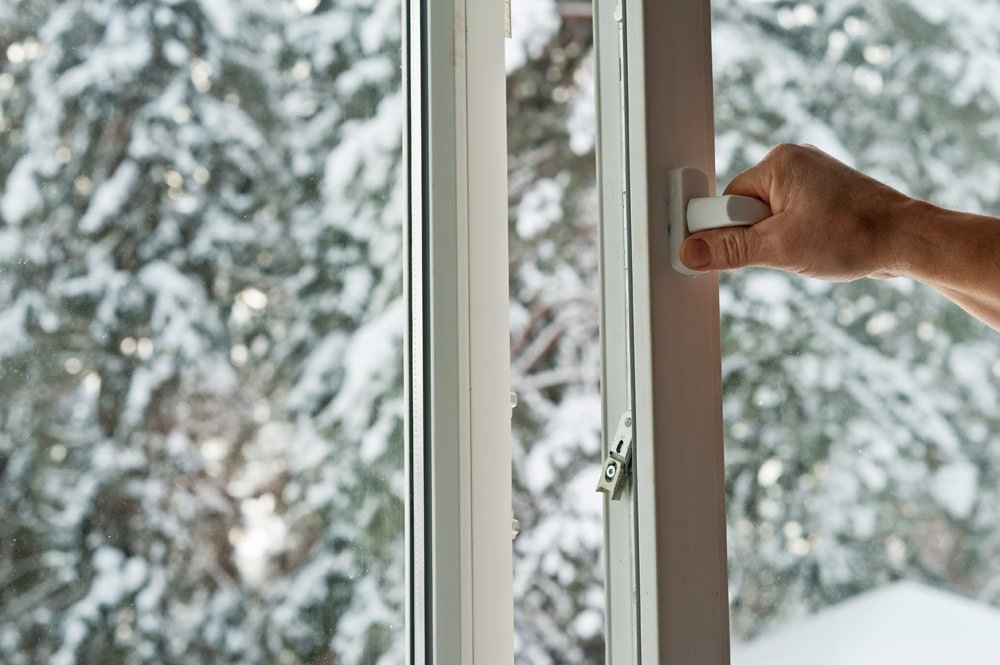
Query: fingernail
{"type": "Point", "coordinates": [697, 253]}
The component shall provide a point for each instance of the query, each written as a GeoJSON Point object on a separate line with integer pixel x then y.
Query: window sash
{"type": "Point", "coordinates": [461, 571]}
{"type": "Point", "coordinates": [671, 603]}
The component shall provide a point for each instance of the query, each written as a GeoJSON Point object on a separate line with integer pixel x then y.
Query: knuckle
{"type": "Point", "coordinates": [738, 183]}
{"type": "Point", "coordinates": [786, 152]}
{"type": "Point", "coordinates": [782, 150]}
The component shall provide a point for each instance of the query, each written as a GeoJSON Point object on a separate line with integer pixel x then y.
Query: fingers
{"type": "Point", "coordinates": [751, 183]}
{"type": "Point", "coordinates": [725, 249]}
{"type": "Point", "coordinates": [757, 181]}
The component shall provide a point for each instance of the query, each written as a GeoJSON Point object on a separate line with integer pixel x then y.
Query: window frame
{"type": "Point", "coordinates": [665, 542]}
{"type": "Point", "coordinates": [460, 573]}
{"type": "Point", "coordinates": [665, 545]}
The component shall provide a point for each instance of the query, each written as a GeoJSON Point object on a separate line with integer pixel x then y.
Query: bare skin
{"type": "Point", "coordinates": [832, 222]}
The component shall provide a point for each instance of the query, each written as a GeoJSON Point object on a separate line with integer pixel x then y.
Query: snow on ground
{"type": "Point", "coordinates": [905, 623]}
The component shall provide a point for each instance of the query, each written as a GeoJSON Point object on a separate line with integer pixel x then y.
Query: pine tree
{"type": "Point", "coordinates": [201, 372]}
{"type": "Point", "coordinates": [861, 418]}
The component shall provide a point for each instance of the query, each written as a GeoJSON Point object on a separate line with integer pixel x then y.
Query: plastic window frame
{"type": "Point", "coordinates": [459, 569]}
{"type": "Point", "coordinates": [665, 541]}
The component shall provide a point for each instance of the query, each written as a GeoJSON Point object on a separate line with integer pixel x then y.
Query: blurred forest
{"type": "Point", "coordinates": [201, 403]}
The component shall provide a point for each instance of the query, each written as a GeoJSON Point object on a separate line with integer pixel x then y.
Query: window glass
{"type": "Point", "coordinates": [861, 419]}
{"type": "Point", "coordinates": [201, 321]}
{"type": "Point", "coordinates": [555, 353]}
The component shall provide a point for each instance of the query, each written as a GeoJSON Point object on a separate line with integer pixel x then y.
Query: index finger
{"type": "Point", "coordinates": [755, 182]}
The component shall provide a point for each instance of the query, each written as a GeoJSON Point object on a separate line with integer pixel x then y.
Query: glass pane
{"type": "Point", "coordinates": [201, 322]}
{"type": "Point", "coordinates": [863, 441]}
{"type": "Point", "coordinates": [555, 352]}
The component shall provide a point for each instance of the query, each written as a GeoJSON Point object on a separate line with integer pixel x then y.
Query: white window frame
{"type": "Point", "coordinates": [665, 545]}
{"type": "Point", "coordinates": [666, 582]}
{"type": "Point", "coordinates": [460, 569]}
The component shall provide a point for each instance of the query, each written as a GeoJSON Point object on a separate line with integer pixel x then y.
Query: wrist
{"type": "Point", "coordinates": [911, 241]}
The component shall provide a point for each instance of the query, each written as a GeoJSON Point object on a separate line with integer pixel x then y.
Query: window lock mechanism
{"type": "Point", "coordinates": [619, 460]}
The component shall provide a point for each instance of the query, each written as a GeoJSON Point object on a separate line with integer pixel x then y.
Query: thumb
{"type": "Point", "coordinates": [723, 249]}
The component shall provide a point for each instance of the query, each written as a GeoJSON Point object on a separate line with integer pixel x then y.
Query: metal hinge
{"type": "Point", "coordinates": [619, 460]}
{"type": "Point", "coordinates": [506, 19]}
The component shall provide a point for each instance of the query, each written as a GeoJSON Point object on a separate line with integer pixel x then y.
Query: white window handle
{"type": "Point", "coordinates": [691, 209]}
{"type": "Point", "coordinates": [715, 212]}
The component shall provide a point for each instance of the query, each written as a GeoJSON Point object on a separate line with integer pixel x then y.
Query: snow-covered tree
{"type": "Point", "coordinates": [201, 357]}
{"type": "Point", "coordinates": [862, 419]}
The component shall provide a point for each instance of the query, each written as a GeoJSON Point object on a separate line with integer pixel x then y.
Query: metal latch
{"type": "Point", "coordinates": [619, 460]}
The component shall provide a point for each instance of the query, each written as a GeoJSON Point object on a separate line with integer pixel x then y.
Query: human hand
{"type": "Point", "coordinates": [828, 220]}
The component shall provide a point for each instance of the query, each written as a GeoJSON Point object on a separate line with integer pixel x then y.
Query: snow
{"type": "Point", "coordinates": [20, 193]}
{"type": "Point", "coordinates": [532, 25]}
{"type": "Point", "coordinates": [118, 59]}
{"type": "Point", "coordinates": [223, 14]}
{"type": "Point", "coordinates": [314, 382]}
{"type": "Point", "coordinates": [13, 318]}
{"type": "Point", "coordinates": [582, 121]}
{"type": "Point", "coordinates": [365, 73]}
{"type": "Point", "coordinates": [956, 487]}
{"type": "Point", "coordinates": [904, 622]}
{"type": "Point", "coordinates": [371, 360]}
{"type": "Point", "coordinates": [261, 537]}
{"type": "Point", "coordinates": [109, 197]}
{"type": "Point", "coordinates": [175, 52]}
{"type": "Point", "coordinates": [540, 208]}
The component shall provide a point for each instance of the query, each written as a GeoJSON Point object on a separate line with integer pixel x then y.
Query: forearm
{"type": "Point", "coordinates": [833, 222]}
{"type": "Point", "coordinates": [956, 253]}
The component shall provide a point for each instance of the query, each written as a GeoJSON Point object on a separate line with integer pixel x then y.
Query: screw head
{"type": "Point", "coordinates": [610, 472]}
{"type": "Point", "coordinates": [628, 422]}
